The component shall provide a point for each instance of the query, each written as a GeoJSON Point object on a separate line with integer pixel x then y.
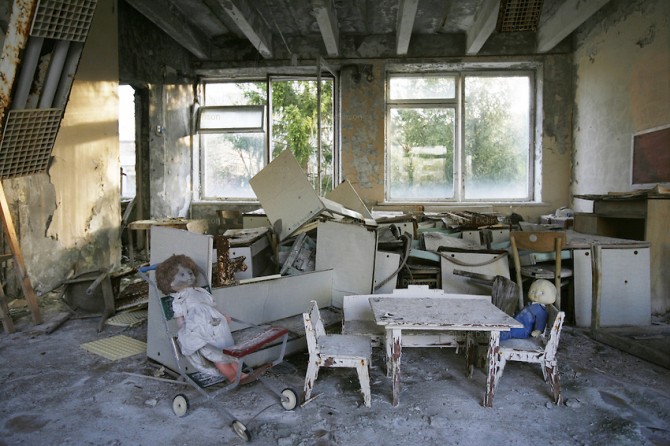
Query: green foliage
{"type": "Point", "coordinates": [295, 121]}
{"type": "Point", "coordinates": [494, 138]}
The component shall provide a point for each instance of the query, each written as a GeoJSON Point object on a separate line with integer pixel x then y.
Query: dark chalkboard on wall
{"type": "Point", "coordinates": [651, 156]}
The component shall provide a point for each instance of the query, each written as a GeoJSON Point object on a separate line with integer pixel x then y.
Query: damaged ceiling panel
{"type": "Point", "coordinates": [45, 71]}
{"type": "Point", "coordinates": [285, 29]}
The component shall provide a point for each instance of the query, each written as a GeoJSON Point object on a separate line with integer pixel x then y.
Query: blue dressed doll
{"type": "Point", "coordinates": [534, 315]}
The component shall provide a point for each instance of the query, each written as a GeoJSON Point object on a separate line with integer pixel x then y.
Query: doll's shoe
{"type": "Point", "coordinates": [253, 376]}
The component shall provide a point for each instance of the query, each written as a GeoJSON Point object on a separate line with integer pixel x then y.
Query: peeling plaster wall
{"type": "Point", "coordinates": [153, 61]}
{"type": "Point", "coordinates": [622, 67]}
{"type": "Point", "coordinates": [622, 62]}
{"type": "Point", "coordinates": [68, 218]}
{"type": "Point", "coordinates": [170, 150]}
{"type": "Point", "coordinates": [363, 112]}
{"type": "Point", "coordinates": [363, 135]}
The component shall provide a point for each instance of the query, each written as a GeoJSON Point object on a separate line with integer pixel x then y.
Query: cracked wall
{"type": "Point", "coordinates": [68, 218]}
{"type": "Point", "coordinates": [622, 69]}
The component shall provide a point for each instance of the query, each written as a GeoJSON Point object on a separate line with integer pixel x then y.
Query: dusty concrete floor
{"type": "Point", "coordinates": [53, 392]}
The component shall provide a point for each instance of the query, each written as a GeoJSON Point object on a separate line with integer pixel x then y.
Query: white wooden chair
{"type": "Point", "coordinates": [335, 350]}
{"type": "Point", "coordinates": [540, 350]}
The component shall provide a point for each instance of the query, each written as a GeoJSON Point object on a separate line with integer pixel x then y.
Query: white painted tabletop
{"type": "Point", "coordinates": [425, 313]}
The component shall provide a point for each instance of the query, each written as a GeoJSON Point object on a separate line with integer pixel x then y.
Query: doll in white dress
{"type": "Point", "coordinates": [203, 330]}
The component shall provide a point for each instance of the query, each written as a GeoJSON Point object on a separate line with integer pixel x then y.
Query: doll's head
{"type": "Point", "coordinates": [542, 292]}
{"type": "Point", "coordinates": [176, 273]}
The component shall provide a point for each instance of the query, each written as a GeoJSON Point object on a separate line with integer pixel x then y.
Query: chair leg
{"type": "Point", "coordinates": [364, 378]}
{"type": "Point", "coordinates": [554, 380]}
{"type": "Point", "coordinates": [493, 379]}
{"type": "Point", "coordinates": [310, 377]}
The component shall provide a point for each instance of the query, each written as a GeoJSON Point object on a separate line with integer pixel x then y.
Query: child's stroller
{"type": "Point", "coordinates": [210, 386]}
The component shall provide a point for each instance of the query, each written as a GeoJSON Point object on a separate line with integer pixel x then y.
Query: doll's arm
{"type": "Point", "coordinates": [180, 321]}
{"type": "Point", "coordinates": [540, 322]}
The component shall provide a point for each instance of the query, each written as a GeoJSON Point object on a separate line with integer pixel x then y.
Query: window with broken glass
{"type": "Point", "coordinates": [241, 131]}
{"type": "Point", "coordinates": [459, 137]}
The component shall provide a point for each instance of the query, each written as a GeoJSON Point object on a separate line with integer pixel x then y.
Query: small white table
{"type": "Point", "coordinates": [444, 314]}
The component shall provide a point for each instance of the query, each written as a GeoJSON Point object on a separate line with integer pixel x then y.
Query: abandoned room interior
{"type": "Point", "coordinates": [418, 221]}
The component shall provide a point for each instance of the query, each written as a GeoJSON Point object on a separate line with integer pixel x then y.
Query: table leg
{"type": "Point", "coordinates": [388, 347]}
{"type": "Point", "coordinates": [394, 344]}
{"type": "Point", "coordinates": [491, 376]}
{"type": "Point", "coordinates": [470, 353]}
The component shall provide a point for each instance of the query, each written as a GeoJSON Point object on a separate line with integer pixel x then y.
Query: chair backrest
{"type": "Point", "coordinates": [552, 332]}
{"type": "Point", "coordinates": [313, 327]}
{"type": "Point", "coordinates": [538, 241]}
{"type": "Point", "coordinates": [504, 294]}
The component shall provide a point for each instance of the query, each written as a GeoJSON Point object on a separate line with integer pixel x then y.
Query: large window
{"type": "Point", "coordinates": [459, 137]}
{"type": "Point", "coordinates": [241, 130]}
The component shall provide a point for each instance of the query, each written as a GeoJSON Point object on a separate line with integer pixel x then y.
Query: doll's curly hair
{"type": "Point", "coordinates": [167, 269]}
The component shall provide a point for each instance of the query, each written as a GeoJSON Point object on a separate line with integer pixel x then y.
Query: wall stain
{"type": "Point", "coordinates": [649, 38]}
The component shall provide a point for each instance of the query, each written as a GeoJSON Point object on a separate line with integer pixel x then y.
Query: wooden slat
{"type": "Point", "coordinates": [19, 264]}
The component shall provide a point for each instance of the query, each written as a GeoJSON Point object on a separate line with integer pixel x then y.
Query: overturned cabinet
{"type": "Point", "coordinates": [350, 251]}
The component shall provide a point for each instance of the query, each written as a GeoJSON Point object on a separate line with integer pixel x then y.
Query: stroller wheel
{"type": "Point", "coordinates": [241, 430]}
{"type": "Point", "coordinates": [289, 398]}
{"type": "Point", "coordinates": [180, 405]}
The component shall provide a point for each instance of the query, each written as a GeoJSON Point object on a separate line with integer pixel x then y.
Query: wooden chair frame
{"type": "Point", "coordinates": [540, 241]}
{"type": "Point", "coordinates": [541, 350]}
{"type": "Point", "coordinates": [335, 350]}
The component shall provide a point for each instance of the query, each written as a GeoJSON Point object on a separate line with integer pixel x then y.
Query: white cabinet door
{"type": "Point", "coordinates": [626, 294]}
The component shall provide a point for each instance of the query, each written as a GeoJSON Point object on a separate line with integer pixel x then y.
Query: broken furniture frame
{"type": "Point", "coordinates": [97, 297]}
{"type": "Point", "coordinates": [290, 201]}
{"type": "Point", "coordinates": [489, 262]}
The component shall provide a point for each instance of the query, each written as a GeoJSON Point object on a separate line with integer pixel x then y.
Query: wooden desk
{"type": "Point", "coordinates": [635, 216]}
{"type": "Point", "coordinates": [446, 314]}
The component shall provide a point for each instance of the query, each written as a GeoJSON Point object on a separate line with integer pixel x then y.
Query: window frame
{"type": "Point", "coordinates": [198, 167]}
{"type": "Point", "coordinates": [223, 108]}
{"type": "Point", "coordinates": [533, 169]}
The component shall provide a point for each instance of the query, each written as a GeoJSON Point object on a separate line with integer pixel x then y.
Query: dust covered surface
{"type": "Point", "coordinates": [55, 392]}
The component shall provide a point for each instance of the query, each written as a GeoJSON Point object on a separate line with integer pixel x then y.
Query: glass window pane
{"type": "Point", "coordinates": [424, 87]}
{"type": "Point", "coordinates": [231, 160]}
{"type": "Point", "coordinates": [235, 93]}
{"type": "Point", "coordinates": [421, 156]}
{"type": "Point", "coordinates": [295, 127]}
{"type": "Point", "coordinates": [497, 141]}
{"type": "Point", "coordinates": [230, 118]}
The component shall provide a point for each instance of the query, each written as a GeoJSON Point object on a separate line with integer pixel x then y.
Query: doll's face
{"type": "Point", "coordinates": [183, 279]}
{"type": "Point", "coordinates": [542, 292]}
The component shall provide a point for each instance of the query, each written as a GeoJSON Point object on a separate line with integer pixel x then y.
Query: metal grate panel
{"type": "Point", "coordinates": [519, 15]}
{"type": "Point", "coordinates": [27, 141]}
{"type": "Point", "coordinates": [63, 19]}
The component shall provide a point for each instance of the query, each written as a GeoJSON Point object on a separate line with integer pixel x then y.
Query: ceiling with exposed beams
{"type": "Point", "coordinates": [218, 30]}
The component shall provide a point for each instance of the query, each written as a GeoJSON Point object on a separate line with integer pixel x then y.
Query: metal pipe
{"type": "Point", "coordinates": [27, 73]}
{"type": "Point", "coordinates": [67, 76]}
{"type": "Point", "coordinates": [54, 73]}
